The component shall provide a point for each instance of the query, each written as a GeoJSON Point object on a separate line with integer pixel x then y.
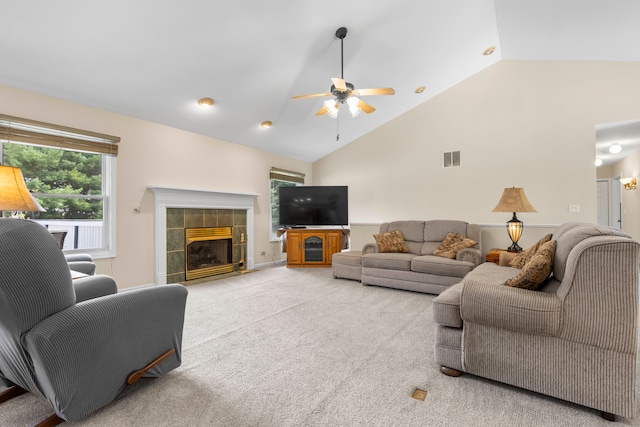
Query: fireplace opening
{"type": "Point", "coordinates": [209, 251]}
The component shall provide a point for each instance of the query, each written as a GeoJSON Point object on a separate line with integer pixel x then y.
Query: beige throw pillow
{"type": "Point", "coordinates": [393, 241]}
{"type": "Point", "coordinates": [536, 271]}
{"type": "Point", "coordinates": [523, 257]}
{"type": "Point", "coordinates": [453, 243]}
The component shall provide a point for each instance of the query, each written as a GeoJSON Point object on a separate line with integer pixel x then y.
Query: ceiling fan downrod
{"type": "Point", "coordinates": [341, 33]}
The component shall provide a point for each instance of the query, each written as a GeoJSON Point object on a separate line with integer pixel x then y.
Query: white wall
{"type": "Point", "coordinates": [152, 154]}
{"type": "Point", "coordinates": [526, 124]}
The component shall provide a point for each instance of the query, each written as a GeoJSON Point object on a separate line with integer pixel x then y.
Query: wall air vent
{"type": "Point", "coordinates": [450, 159]}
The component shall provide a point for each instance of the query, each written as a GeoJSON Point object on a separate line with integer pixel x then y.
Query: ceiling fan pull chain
{"type": "Point", "coordinates": [338, 128]}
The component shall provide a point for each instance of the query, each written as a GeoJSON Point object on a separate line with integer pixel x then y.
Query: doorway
{"type": "Point", "coordinates": [609, 202]}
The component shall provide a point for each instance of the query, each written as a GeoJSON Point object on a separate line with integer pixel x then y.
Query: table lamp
{"type": "Point", "coordinates": [14, 194]}
{"type": "Point", "coordinates": [514, 200]}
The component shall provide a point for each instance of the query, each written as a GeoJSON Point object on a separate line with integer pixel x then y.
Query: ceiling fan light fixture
{"type": "Point", "coordinates": [419, 89]}
{"type": "Point", "coordinates": [266, 124]}
{"type": "Point", "coordinates": [332, 107]}
{"type": "Point", "coordinates": [615, 149]}
{"type": "Point", "coordinates": [354, 107]}
{"type": "Point", "coordinates": [205, 102]}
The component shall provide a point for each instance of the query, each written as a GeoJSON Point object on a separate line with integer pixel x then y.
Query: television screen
{"type": "Point", "coordinates": [314, 205]}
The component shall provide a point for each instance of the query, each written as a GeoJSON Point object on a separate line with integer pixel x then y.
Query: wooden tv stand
{"type": "Point", "coordinates": [307, 247]}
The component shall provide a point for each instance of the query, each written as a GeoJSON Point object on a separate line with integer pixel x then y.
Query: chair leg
{"type": "Point", "coordinates": [53, 420]}
{"type": "Point", "coordinates": [135, 376]}
{"type": "Point", "coordinates": [607, 416]}
{"type": "Point", "coordinates": [450, 371]}
{"type": "Point", "coordinates": [11, 392]}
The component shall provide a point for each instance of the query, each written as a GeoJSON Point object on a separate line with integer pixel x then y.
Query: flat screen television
{"type": "Point", "coordinates": [314, 205]}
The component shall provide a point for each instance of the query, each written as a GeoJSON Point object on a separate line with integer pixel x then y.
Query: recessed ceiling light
{"type": "Point", "coordinates": [615, 149]}
{"type": "Point", "coordinates": [205, 102]}
{"type": "Point", "coordinates": [266, 124]}
{"type": "Point", "coordinates": [598, 162]}
{"type": "Point", "coordinates": [419, 89]}
{"type": "Point", "coordinates": [488, 51]}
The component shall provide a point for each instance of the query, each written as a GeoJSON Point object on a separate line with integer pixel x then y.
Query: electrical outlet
{"type": "Point", "coordinates": [574, 208]}
{"type": "Point", "coordinates": [262, 253]}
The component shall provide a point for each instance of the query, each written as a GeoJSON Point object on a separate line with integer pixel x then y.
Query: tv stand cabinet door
{"type": "Point", "coordinates": [294, 248]}
{"type": "Point", "coordinates": [332, 244]}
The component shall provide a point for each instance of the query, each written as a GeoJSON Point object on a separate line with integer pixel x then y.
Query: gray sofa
{"type": "Point", "coordinates": [575, 338]}
{"type": "Point", "coordinates": [417, 270]}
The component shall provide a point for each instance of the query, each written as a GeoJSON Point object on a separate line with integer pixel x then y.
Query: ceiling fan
{"type": "Point", "coordinates": [344, 92]}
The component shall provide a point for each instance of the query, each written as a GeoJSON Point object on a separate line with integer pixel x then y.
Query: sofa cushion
{"type": "Point", "coordinates": [446, 307]}
{"type": "Point", "coordinates": [392, 241]}
{"type": "Point", "coordinates": [519, 260]}
{"type": "Point", "coordinates": [389, 261]}
{"type": "Point", "coordinates": [412, 231]}
{"type": "Point", "coordinates": [537, 270]}
{"type": "Point", "coordinates": [452, 244]}
{"type": "Point", "coordinates": [435, 231]}
{"type": "Point", "coordinates": [353, 258]}
{"type": "Point", "coordinates": [440, 266]}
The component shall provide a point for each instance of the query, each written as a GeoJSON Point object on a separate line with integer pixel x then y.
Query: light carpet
{"type": "Point", "coordinates": [296, 347]}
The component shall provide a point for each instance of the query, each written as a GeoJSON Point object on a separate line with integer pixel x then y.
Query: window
{"type": "Point", "coordinates": [280, 178]}
{"type": "Point", "coordinates": [71, 174]}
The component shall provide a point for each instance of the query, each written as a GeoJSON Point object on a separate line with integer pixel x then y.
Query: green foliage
{"type": "Point", "coordinates": [275, 202]}
{"type": "Point", "coordinates": [55, 171]}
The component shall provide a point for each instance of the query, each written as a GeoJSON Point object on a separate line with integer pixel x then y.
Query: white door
{"type": "Point", "coordinates": [615, 219]}
{"type": "Point", "coordinates": [602, 199]}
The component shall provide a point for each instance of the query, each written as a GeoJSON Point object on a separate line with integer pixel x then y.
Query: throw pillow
{"type": "Point", "coordinates": [523, 257]}
{"type": "Point", "coordinates": [453, 243]}
{"type": "Point", "coordinates": [392, 241]}
{"type": "Point", "coordinates": [536, 271]}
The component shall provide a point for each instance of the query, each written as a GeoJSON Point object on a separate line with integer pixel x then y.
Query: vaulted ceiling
{"type": "Point", "coordinates": [154, 59]}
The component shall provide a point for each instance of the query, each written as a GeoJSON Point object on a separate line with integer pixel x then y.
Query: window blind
{"type": "Point", "coordinates": [16, 129]}
{"type": "Point", "coordinates": [285, 175]}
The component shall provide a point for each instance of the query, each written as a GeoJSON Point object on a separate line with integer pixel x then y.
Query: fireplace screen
{"type": "Point", "coordinates": [209, 251]}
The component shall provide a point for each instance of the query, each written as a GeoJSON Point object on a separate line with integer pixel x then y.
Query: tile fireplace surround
{"type": "Point", "coordinates": [169, 202]}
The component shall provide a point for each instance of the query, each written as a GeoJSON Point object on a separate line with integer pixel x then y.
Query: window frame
{"type": "Point", "coordinates": [282, 175]}
{"type": "Point", "coordinates": [15, 130]}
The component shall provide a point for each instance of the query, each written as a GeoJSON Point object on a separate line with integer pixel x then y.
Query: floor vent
{"type": "Point", "coordinates": [450, 159]}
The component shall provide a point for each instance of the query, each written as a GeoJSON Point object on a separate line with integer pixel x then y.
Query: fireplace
{"type": "Point", "coordinates": [209, 251]}
{"type": "Point", "coordinates": [169, 228]}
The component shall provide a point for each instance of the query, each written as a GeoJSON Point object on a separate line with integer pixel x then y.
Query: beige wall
{"type": "Point", "coordinates": [526, 124]}
{"type": "Point", "coordinates": [151, 154]}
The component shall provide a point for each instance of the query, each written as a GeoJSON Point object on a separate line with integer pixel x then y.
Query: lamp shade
{"type": "Point", "coordinates": [14, 194]}
{"type": "Point", "coordinates": [514, 200]}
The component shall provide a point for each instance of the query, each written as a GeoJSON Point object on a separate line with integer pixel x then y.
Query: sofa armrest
{"type": "Point", "coordinates": [506, 257]}
{"type": "Point", "coordinates": [95, 286]}
{"type": "Point", "coordinates": [471, 255]}
{"type": "Point", "coordinates": [520, 310]}
{"type": "Point", "coordinates": [370, 248]}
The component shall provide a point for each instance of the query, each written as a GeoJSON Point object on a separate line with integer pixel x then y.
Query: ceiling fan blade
{"type": "Point", "coordinates": [365, 107]}
{"type": "Point", "coordinates": [340, 84]}
{"type": "Point", "coordinates": [322, 111]}
{"type": "Point", "coordinates": [313, 95]}
{"type": "Point", "coordinates": [375, 91]}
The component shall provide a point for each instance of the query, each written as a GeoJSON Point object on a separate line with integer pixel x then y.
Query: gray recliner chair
{"type": "Point", "coordinates": [82, 263]}
{"type": "Point", "coordinates": [70, 345]}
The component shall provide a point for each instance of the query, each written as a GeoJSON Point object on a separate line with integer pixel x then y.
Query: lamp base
{"type": "Point", "coordinates": [514, 248]}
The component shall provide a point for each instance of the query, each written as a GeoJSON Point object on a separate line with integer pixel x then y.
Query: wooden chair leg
{"type": "Point", "coordinates": [11, 392]}
{"type": "Point", "coordinates": [607, 416]}
{"type": "Point", "coordinates": [135, 376]}
{"type": "Point", "coordinates": [53, 420]}
{"type": "Point", "coordinates": [450, 371]}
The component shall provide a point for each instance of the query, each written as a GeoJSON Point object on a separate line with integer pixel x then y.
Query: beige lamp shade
{"type": "Point", "coordinates": [14, 194]}
{"type": "Point", "coordinates": [514, 200]}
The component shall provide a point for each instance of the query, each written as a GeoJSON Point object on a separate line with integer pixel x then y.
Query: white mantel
{"type": "Point", "coordinates": [168, 197]}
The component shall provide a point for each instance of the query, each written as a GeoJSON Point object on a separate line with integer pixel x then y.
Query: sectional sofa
{"type": "Point", "coordinates": [418, 269]}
